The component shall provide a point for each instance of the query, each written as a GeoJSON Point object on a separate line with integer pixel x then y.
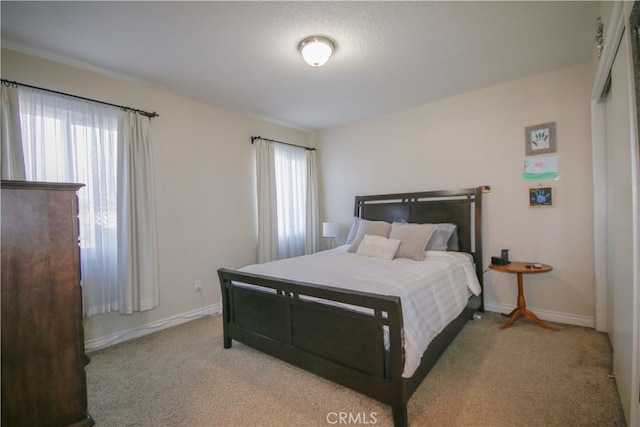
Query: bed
{"type": "Point", "coordinates": [355, 337]}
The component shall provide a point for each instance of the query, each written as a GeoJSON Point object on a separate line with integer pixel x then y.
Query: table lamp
{"type": "Point", "coordinates": [331, 230]}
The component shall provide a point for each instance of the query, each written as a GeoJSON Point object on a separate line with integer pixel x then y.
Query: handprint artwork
{"type": "Point", "coordinates": [540, 139]}
{"type": "Point", "coordinates": [540, 196]}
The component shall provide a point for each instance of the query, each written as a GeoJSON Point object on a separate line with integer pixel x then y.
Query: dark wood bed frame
{"type": "Point", "coordinates": [341, 344]}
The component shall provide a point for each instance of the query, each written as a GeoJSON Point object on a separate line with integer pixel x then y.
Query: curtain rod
{"type": "Point", "coordinates": [8, 83]}
{"type": "Point", "coordinates": [253, 138]}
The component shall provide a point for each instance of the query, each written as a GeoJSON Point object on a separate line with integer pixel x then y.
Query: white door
{"type": "Point", "coordinates": [620, 226]}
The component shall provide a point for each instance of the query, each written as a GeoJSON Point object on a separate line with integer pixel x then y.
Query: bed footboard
{"type": "Point", "coordinates": [349, 337]}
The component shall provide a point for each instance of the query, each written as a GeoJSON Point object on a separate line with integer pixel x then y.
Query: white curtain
{"type": "Point", "coordinates": [313, 223]}
{"type": "Point", "coordinates": [12, 160]}
{"type": "Point", "coordinates": [137, 239]}
{"type": "Point", "coordinates": [291, 188]}
{"type": "Point", "coordinates": [66, 139]}
{"type": "Point", "coordinates": [267, 205]}
{"type": "Point", "coordinates": [287, 201]}
{"type": "Point", "coordinates": [70, 140]}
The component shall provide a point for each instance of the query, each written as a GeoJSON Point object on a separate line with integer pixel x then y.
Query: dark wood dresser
{"type": "Point", "coordinates": [43, 376]}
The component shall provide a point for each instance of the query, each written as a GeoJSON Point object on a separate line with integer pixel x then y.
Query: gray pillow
{"type": "Point", "coordinates": [440, 237]}
{"type": "Point", "coordinates": [353, 231]}
{"type": "Point", "coordinates": [413, 239]}
{"type": "Point", "coordinates": [453, 244]}
{"type": "Point", "coordinates": [372, 228]}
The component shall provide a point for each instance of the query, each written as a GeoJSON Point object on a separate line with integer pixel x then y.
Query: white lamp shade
{"type": "Point", "coordinates": [330, 229]}
{"type": "Point", "coordinates": [316, 50]}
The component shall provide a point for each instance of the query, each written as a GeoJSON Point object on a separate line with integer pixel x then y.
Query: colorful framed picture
{"type": "Point", "coordinates": [540, 197]}
{"type": "Point", "coordinates": [540, 139]}
{"type": "Point", "coordinates": [539, 168]}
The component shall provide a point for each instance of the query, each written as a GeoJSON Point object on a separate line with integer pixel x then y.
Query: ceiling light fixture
{"type": "Point", "coordinates": [316, 50]}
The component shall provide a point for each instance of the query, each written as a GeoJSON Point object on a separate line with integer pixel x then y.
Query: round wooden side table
{"type": "Point", "coordinates": [521, 268]}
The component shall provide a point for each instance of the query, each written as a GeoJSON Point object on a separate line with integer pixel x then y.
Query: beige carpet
{"type": "Point", "coordinates": [522, 376]}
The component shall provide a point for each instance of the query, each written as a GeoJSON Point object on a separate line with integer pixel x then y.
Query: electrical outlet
{"type": "Point", "coordinates": [198, 286]}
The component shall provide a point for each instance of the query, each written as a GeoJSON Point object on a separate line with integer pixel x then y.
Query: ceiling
{"type": "Point", "coordinates": [243, 56]}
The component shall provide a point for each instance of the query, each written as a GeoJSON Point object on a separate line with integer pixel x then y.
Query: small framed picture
{"type": "Point", "coordinates": [540, 139]}
{"type": "Point", "coordinates": [540, 197]}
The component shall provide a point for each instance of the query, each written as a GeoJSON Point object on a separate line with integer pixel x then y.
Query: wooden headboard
{"type": "Point", "coordinates": [462, 207]}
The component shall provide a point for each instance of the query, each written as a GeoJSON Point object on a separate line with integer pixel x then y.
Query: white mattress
{"type": "Point", "coordinates": [433, 292]}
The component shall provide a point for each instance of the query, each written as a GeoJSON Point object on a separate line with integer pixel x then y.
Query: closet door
{"type": "Point", "coordinates": [620, 224]}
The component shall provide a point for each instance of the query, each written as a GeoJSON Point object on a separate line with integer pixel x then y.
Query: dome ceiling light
{"type": "Point", "coordinates": [316, 50]}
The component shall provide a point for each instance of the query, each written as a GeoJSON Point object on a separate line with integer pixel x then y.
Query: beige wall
{"type": "Point", "coordinates": [478, 139]}
{"type": "Point", "coordinates": [205, 180]}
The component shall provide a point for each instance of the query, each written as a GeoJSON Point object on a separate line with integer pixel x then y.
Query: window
{"type": "Point", "coordinates": [65, 139]}
{"type": "Point", "coordinates": [287, 200]}
{"type": "Point", "coordinates": [291, 190]}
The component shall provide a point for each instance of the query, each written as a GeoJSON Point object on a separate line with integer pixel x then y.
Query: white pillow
{"type": "Point", "coordinates": [372, 228]}
{"type": "Point", "coordinates": [413, 237]}
{"type": "Point", "coordinates": [378, 247]}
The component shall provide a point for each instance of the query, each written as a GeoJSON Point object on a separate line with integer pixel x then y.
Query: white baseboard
{"type": "Point", "coordinates": [551, 316]}
{"type": "Point", "coordinates": [118, 337]}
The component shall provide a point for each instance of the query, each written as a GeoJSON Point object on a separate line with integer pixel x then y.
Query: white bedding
{"type": "Point", "coordinates": [433, 292]}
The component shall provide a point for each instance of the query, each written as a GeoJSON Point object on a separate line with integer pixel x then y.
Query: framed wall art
{"type": "Point", "coordinates": [540, 197]}
{"type": "Point", "coordinates": [540, 139]}
{"type": "Point", "coordinates": [538, 168]}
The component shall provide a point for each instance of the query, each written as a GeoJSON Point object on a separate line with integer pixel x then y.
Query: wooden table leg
{"type": "Point", "coordinates": [521, 310]}
{"type": "Point", "coordinates": [514, 316]}
{"type": "Point", "coordinates": [531, 315]}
